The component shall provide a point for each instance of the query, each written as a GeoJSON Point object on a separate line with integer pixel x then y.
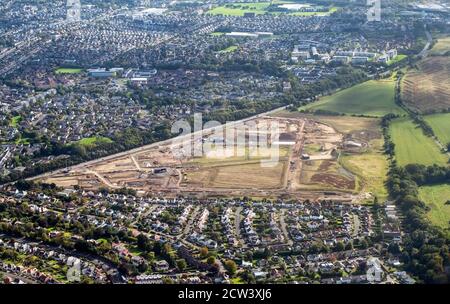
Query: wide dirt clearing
{"type": "Point", "coordinates": [372, 98]}
{"type": "Point", "coordinates": [436, 198]}
{"type": "Point", "coordinates": [239, 176]}
{"type": "Point", "coordinates": [412, 146]}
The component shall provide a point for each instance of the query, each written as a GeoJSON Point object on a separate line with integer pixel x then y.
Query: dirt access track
{"type": "Point", "coordinates": [245, 158]}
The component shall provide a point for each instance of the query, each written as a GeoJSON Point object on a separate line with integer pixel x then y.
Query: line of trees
{"type": "Point", "coordinates": [425, 249]}
{"type": "Point", "coordinates": [346, 77]}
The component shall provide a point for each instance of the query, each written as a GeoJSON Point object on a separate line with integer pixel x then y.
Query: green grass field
{"type": "Point", "coordinates": [441, 126]}
{"type": "Point", "coordinates": [239, 9]}
{"type": "Point", "coordinates": [305, 14]}
{"type": "Point", "coordinates": [92, 141]}
{"type": "Point", "coordinates": [436, 197]}
{"type": "Point", "coordinates": [412, 146]}
{"type": "Point", "coordinates": [229, 49]}
{"type": "Point", "coordinates": [15, 121]}
{"type": "Point", "coordinates": [373, 97]}
{"type": "Point", "coordinates": [398, 58]}
{"type": "Point", "coordinates": [371, 170]}
{"type": "Point", "coordinates": [68, 71]}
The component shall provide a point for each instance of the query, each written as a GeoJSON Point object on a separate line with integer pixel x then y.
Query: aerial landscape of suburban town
{"type": "Point", "coordinates": [224, 142]}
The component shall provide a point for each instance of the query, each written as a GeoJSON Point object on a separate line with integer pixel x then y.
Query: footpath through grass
{"type": "Point", "coordinates": [413, 147]}
{"type": "Point", "coordinates": [440, 123]}
{"type": "Point", "coordinates": [436, 197]}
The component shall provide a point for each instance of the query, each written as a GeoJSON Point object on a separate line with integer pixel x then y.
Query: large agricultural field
{"type": "Point", "coordinates": [427, 89]}
{"type": "Point", "coordinates": [413, 147]}
{"type": "Point", "coordinates": [437, 197]}
{"type": "Point", "coordinates": [440, 123]}
{"type": "Point", "coordinates": [371, 98]}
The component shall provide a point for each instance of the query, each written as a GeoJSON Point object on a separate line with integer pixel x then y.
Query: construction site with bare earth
{"type": "Point", "coordinates": [306, 159]}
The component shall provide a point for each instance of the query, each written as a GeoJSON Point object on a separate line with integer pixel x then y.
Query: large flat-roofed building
{"type": "Point", "coordinates": [364, 54]}
{"type": "Point", "coordinates": [392, 53]}
{"type": "Point", "coordinates": [242, 34]}
{"type": "Point", "coordinates": [360, 60]}
{"type": "Point", "coordinates": [145, 74]}
{"type": "Point", "coordinates": [101, 73]}
{"type": "Point", "coordinates": [341, 59]}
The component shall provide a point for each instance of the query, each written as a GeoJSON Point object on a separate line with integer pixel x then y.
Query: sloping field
{"type": "Point", "coordinates": [374, 98]}
{"type": "Point", "coordinates": [441, 126]}
{"type": "Point", "coordinates": [427, 89]}
{"type": "Point", "coordinates": [441, 47]}
{"type": "Point", "coordinates": [436, 197]}
{"type": "Point", "coordinates": [371, 169]}
{"type": "Point", "coordinates": [412, 146]}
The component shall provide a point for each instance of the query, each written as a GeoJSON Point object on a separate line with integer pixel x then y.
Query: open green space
{"type": "Point", "coordinates": [258, 8]}
{"type": "Point", "coordinates": [239, 9]}
{"type": "Point", "coordinates": [440, 123]}
{"type": "Point", "coordinates": [372, 98]}
{"type": "Point", "coordinates": [92, 141]}
{"type": "Point", "coordinates": [15, 121]}
{"type": "Point", "coordinates": [413, 147]}
{"type": "Point", "coordinates": [229, 49]}
{"type": "Point", "coordinates": [437, 197]}
{"type": "Point", "coordinates": [68, 71]}
{"type": "Point", "coordinates": [305, 14]}
{"type": "Point", "coordinates": [398, 58]}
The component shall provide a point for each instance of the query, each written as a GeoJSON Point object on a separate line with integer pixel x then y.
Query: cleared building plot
{"type": "Point", "coordinates": [302, 160]}
{"type": "Point", "coordinates": [326, 175]}
{"type": "Point", "coordinates": [239, 176]}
